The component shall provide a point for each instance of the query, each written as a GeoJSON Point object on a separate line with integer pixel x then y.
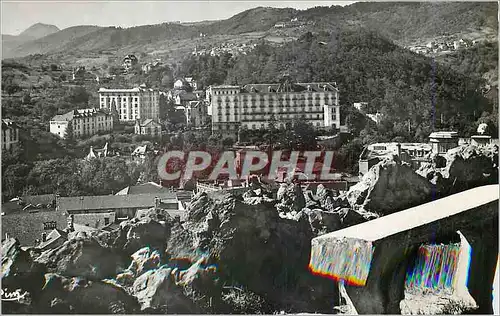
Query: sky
{"type": "Point", "coordinates": [19, 15]}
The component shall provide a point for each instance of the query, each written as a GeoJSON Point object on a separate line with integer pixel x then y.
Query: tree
{"type": "Point", "coordinates": [11, 87]}
{"type": "Point", "coordinates": [227, 142]}
{"type": "Point", "coordinates": [69, 138]}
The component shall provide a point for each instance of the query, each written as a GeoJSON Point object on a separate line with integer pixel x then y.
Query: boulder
{"type": "Point", "coordinates": [77, 295]}
{"type": "Point", "coordinates": [84, 258]}
{"type": "Point", "coordinates": [156, 291]}
{"type": "Point", "coordinates": [290, 198]}
{"type": "Point", "coordinates": [390, 186]}
{"type": "Point", "coordinates": [153, 229]}
{"type": "Point", "coordinates": [143, 260]}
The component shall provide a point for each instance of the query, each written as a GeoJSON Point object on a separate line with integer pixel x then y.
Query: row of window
{"type": "Point", "coordinates": [278, 102]}
{"type": "Point", "coordinates": [12, 137]}
{"type": "Point", "coordinates": [253, 126]}
{"type": "Point", "coordinates": [226, 92]}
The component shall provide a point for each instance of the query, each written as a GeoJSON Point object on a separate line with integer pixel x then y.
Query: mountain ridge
{"type": "Point", "coordinates": [398, 21]}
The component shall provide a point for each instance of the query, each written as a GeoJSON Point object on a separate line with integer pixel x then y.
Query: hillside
{"type": "Point", "coordinates": [51, 43]}
{"type": "Point", "coordinates": [400, 22]}
{"type": "Point", "coordinates": [253, 20]}
{"type": "Point", "coordinates": [367, 67]}
{"type": "Point", "coordinates": [408, 21]}
{"type": "Point", "coordinates": [34, 32]}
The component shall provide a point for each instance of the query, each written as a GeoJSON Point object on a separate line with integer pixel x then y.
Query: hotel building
{"type": "Point", "coordinates": [253, 106]}
{"type": "Point", "coordinates": [131, 104]}
{"type": "Point", "coordinates": [85, 122]}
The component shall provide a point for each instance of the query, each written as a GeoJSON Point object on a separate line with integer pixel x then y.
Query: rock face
{"type": "Point", "coordinates": [156, 290]}
{"type": "Point", "coordinates": [388, 187]}
{"type": "Point", "coordinates": [465, 167]}
{"type": "Point", "coordinates": [82, 257]}
{"type": "Point", "coordinates": [76, 295]}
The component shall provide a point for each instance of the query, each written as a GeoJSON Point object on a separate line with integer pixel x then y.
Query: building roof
{"type": "Point", "coordinates": [79, 113]}
{"type": "Point", "coordinates": [8, 124]}
{"type": "Point", "coordinates": [52, 237]}
{"type": "Point", "coordinates": [140, 150]}
{"type": "Point", "coordinates": [27, 227]}
{"type": "Point", "coordinates": [225, 87]}
{"type": "Point", "coordinates": [18, 204]}
{"type": "Point", "coordinates": [147, 122]}
{"type": "Point", "coordinates": [144, 188]}
{"type": "Point", "coordinates": [444, 135]}
{"type": "Point", "coordinates": [283, 87]}
{"type": "Point", "coordinates": [136, 89]}
{"type": "Point", "coordinates": [110, 202]}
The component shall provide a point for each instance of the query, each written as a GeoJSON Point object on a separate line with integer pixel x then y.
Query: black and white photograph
{"type": "Point", "coordinates": [249, 157]}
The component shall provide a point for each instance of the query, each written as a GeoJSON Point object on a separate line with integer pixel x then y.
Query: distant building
{"type": "Point", "coordinates": [196, 114]}
{"type": "Point", "coordinates": [443, 141]}
{"type": "Point", "coordinates": [182, 97]}
{"type": "Point", "coordinates": [100, 211]}
{"type": "Point", "coordinates": [131, 104]}
{"type": "Point", "coordinates": [147, 67]}
{"type": "Point", "coordinates": [413, 153]}
{"type": "Point", "coordinates": [280, 25]}
{"type": "Point", "coordinates": [79, 73]}
{"type": "Point", "coordinates": [253, 106]}
{"type": "Point", "coordinates": [129, 61]}
{"type": "Point", "coordinates": [154, 188]}
{"type": "Point", "coordinates": [377, 117]}
{"type": "Point", "coordinates": [148, 127]}
{"type": "Point", "coordinates": [187, 83]}
{"type": "Point", "coordinates": [10, 134]}
{"type": "Point", "coordinates": [84, 122]}
{"type": "Point", "coordinates": [140, 151]}
{"type": "Point", "coordinates": [360, 106]}
{"type": "Point", "coordinates": [97, 153]}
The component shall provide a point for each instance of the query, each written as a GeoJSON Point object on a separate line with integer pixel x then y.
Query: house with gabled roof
{"type": "Point", "coordinates": [148, 127]}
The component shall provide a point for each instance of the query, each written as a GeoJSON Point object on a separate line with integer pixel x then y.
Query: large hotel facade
{"type": "Point", "coordinates": [131, 104]}
{"type": "Point", "coordinates": [253, 106]}
{"type": "Point", "coordinates": [85, 122]}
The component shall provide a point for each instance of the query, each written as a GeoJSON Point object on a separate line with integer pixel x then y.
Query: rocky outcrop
{"type": "Point", "coordinates": [388, 187]}
{"type": "Point", "coordinates": [76, 295]}
{"type": "Point", "coordinates": [85, 258]}
{"type": "Point", "coordinates": [462, 168]}
{"type": "Point", "coordinates": [235, 236]}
